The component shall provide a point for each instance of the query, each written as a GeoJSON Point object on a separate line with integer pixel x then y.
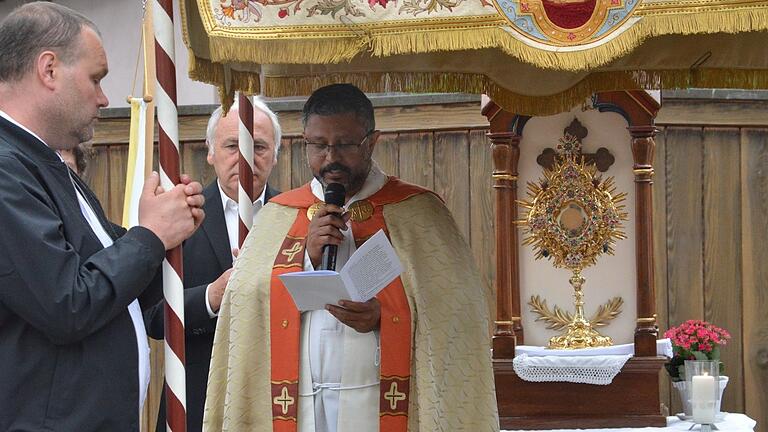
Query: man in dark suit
{"type": "Point", "coordinates": [73, 349]}
{"type": "Point", "coordinates": [208, 254]}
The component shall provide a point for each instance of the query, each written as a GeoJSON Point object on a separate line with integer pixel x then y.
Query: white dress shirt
{"type": "Point", "coordinates": [133, 309]}
{"type": "Point", "coordinates": [231, 218]}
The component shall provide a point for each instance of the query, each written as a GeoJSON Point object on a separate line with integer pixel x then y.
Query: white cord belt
{"type": "Point", "coordinates": [318, 387]}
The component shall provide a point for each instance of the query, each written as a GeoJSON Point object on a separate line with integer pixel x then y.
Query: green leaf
{"type": "Point", "coordinates": [716, 353]}
{"type": "Point", "coordinates": [700, 355]}
{"type": "Point", "coordinates": [681, 372]}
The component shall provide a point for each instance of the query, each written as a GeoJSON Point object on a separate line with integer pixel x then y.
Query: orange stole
{"type": "Point", "coordinates": [285, 321]}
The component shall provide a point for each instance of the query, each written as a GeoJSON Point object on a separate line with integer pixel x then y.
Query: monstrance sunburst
{"type": "Point", "coordinates": [573, 217]}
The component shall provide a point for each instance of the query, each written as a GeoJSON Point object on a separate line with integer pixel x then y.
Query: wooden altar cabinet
{"type": "Point", "coordinates": [632, 400]}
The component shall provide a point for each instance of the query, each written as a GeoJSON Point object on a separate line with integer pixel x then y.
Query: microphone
{"type": "Point", "coordinates": [334, 194]}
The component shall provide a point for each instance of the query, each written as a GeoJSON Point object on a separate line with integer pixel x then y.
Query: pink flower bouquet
{"type": "Point", "coordinates": [694, 340]}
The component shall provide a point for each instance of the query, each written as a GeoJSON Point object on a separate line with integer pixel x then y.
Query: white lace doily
{"type": "Point", "coordinates": [599, 370]}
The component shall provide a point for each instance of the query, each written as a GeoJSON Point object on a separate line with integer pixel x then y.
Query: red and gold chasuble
{"type": "Point", "coordinates": [395, 328]}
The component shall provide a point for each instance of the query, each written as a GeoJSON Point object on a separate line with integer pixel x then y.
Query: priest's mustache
{"type": "Point", "coordinates": [335, 166]}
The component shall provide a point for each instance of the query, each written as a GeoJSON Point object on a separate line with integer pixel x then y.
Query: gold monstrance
{"type": "Point", "coordinates": [573, 217]}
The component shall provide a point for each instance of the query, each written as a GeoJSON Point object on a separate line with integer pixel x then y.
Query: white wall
{"type": "Point", "coordinates": [120, 26]}
{"type": "Point", "coordinates": [613, 275]}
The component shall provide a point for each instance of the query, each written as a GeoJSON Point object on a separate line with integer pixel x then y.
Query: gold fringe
{"type": "Point", "coordinates": [733, 21]}
{"type": "Point", "coordinates": [332, 50]}
{"type": "Point", "coordinates": [522, 104]}
{"type": "Point", "coordinates": [213, 73]}
{"type": "Point", "coordinates": [369, 42]}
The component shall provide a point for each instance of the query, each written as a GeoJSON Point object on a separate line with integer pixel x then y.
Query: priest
{"type": "Point", "coordinates": [414, 358]}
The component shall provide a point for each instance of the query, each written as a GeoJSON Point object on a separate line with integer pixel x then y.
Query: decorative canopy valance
{"type": "Point", "coordinates": [531, 56]}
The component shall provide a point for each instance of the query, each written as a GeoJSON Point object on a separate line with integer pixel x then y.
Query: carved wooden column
{"type": "Point", "coordinates": [508, 329]}
{"type": "Point", "coordinates": [640, 109]}
{"type": "Point", "coordinates": [646, 331]}
{"type": "Point", "coordinates": [505, 134]}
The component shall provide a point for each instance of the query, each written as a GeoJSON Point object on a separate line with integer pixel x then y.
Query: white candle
{"type": "Point", "coordinates": [703, 398]}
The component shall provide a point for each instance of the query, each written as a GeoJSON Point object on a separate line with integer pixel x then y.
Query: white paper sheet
{"type": "Point", "coordinates": [372, 267]}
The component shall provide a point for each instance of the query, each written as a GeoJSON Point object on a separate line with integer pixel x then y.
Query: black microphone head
{"type": "Point", "coordinates": [335, 194]}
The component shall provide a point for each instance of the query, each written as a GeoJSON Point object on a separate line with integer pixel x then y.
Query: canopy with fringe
{"type": "Point", "coordinates": [531, 56]}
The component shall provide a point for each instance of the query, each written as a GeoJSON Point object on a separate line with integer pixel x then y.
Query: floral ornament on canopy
{"type": "Point", "coordinates": [234, 12]}
{"type": "Point", "coordinates": [694, 340]}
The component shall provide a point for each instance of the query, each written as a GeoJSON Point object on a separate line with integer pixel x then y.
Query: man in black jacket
{"type": "Point", "coordinates": [73, 351]}
{"type": "Point", "coordinates": [208, 253]}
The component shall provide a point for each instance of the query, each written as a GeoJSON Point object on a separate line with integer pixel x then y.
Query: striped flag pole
{"type": "Point", "coordinates": [173, 288]}
{"type": "Point", "coordinates": [245, 196]}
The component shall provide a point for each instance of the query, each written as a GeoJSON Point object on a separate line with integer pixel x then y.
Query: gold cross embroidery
{"type": "Point", "coordinates": [394, 396]}
{"type": "Point", "coordinates": [284, 400]}
{"type": "Point", "coordinates": [290, 253]}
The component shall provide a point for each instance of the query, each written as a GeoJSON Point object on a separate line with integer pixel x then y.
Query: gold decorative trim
{"type": "Point", "coordinates": [509, 177]}
{"type": "Point", "coordinates": [426, 82]}
{"type": "Point", "coordinates": [359, 211]}
{"type": "Point", "coordinates": [558, 319]}
{"type": "Point", "coordinates": [204, 70]}
{"type": "Point", "coordinates": [650, 8]}
{"type": "Point", "coordinates": [641, 171]}
{"type": "Point", "coordinates": [647, 320]}
{"type": "Point", "coordinates": [510, 322]}
{"type": "Point", "coordinates": [313, 209]}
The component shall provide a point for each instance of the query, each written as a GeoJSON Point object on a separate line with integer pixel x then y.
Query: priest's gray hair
{"type": "Point", "coordinates": [35, 27]}
{"type": "Point", "coordinates": [258, 104]}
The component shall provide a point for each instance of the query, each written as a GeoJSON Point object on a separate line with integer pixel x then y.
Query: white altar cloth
{"type": "Point", "coordinates": [663, 348]}
{"type": "Point", "coordinates": [730, 423]}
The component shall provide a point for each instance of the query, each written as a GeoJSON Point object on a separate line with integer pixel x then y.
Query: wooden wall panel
{"type": "Point", "coordinates": [156, 382]}
{"type": "Point", "coordinates": [452, 175]}
{"type": "Point", "coordinates": [738, 113]}
{"type": "Point", "coordinates": [722, 254]}
{"type": "Point", "coordinates": [194, 162]}
{"type": "Point", "coordinates": [660, 250]}
{"type": "Point", "coordinates": [98, 178]}
{"type": "Point", "coordinates": [754, 243]}
{"type": "Point", "coordinates": [416, 159]}
{"type": "Point", "coordinates": [684, 228]}
{"type": "Point", "coordinates": [386, 153]}
{"type": "Point", "coordinates": [684, 224]}
{"type": "Point", "coordinates": [389, 119]}
{"type": "Point", "coordinates": [300, 171]}
{"type": "Point", "coordinates": [118, 155]}
{"type": "Point", "coordinates": [280, 178]}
